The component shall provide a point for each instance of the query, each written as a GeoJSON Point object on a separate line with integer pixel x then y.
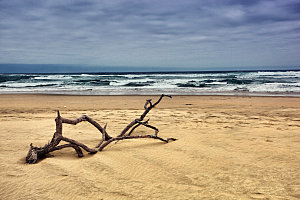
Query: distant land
{"type": "Point", "coordinates": [63, 68]}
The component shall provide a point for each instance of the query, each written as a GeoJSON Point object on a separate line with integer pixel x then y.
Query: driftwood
{"type": "Point", "coordinates": [36, 153]}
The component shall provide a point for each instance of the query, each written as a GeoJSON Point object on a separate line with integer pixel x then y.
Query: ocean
{"type": "Point", "coordinates": [249, 83]}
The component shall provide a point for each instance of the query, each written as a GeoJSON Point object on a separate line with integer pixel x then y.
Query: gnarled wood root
{"type": "Point", "coordinates": [36, 153]}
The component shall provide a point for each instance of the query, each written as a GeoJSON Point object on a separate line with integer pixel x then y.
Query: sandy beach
{"type": "Point", "coordinates": [227, 148]}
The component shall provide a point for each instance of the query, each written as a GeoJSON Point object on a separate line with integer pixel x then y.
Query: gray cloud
{"type": "Point", "coordinates": [192, 34]}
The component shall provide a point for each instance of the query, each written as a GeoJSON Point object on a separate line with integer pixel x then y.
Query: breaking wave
{"type": "Point", "coordinates": [192, 83]}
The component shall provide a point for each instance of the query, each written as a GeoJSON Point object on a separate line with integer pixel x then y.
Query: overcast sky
{"type": "Point", "coordinates": [191, 34]}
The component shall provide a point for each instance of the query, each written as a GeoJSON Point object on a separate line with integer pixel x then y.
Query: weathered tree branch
{"type": "Point", "coordinates": [147, 110]}
{"type": "Point", "coordinates": [149, 126]}
{"type": "Point", "coordinates": [77, 149]}
{"type": "Point", "coordinates": [134, 137]}
{"type": "Point", "coordinates": [88, 119]}
{"type": "Point", "coordinates": [136, 126]}
{"type": "Point", "coordinates": [74, 142]}
{"type": "Point", "coordinates": [36, 153]}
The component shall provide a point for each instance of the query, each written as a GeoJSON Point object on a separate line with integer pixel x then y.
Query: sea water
{"type": "Point", "coordinates": [258, 83]}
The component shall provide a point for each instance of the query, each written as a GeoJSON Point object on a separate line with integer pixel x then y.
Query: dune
{"type": "Point", "coordinates": [228, 148]}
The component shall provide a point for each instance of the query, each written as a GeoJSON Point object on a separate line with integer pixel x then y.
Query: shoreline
{"type": "Point", "coordinates": [158, 94]}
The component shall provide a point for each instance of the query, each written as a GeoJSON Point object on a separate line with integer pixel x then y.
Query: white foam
{"type": "Point", "coordinates": [284, 82]}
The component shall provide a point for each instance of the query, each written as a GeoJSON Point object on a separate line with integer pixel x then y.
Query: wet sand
{"type": "Point", "coordinates": [227, 148]}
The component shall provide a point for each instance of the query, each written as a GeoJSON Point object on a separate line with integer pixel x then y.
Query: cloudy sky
{"type": "Point", "coordinates": [179, 34]}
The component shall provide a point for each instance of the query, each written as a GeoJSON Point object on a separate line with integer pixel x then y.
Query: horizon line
{"type": "Point", "coordinates": [156, 72]}
{"type": "Point", "coordinates": [10, 68]}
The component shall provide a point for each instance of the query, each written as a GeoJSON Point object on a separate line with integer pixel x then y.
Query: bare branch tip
{"type": "Point", "coordinates": [171, 139]}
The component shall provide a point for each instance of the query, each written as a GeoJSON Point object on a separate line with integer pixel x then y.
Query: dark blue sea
{"type": "Point", "coordinates": [249, 83]}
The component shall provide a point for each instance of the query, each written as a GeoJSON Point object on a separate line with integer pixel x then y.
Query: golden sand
{"type": "Point", "coordinates": [227, 148]}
